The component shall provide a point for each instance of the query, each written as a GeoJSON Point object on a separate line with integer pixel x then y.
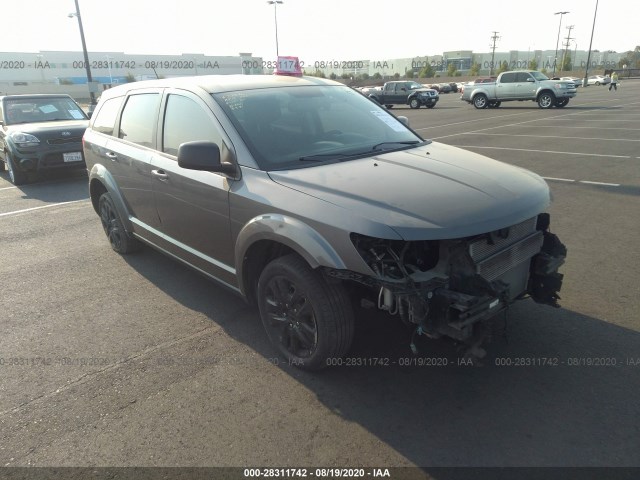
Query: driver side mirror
{"type": "Point", "coordinates": [204, 156]}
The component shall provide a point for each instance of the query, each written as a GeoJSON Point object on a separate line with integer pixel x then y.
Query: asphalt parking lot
{"type": "Point", "coordinates": [137, 361]}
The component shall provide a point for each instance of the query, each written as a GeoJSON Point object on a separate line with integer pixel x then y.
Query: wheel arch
{"type": "Point", "coordinates": [546, 90]}
{"type": "Point", "coordinates": [101, 181]}
{"type": "Point", "coordinates": [270, 236]}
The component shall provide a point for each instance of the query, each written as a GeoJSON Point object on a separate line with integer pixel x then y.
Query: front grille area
{"type": "Point", "coordinates": [64, 140]}
{"type": "Point", "coordinates": [503, 261]}
{"type": "Point", "coordinates": [482, 249]}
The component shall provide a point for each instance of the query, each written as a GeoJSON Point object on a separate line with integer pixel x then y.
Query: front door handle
{"type": "Point", "coordinates": [160, 174]}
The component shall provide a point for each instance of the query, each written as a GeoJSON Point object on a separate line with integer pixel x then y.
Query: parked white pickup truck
{"type": "Point", "coordinates": [520, 85]}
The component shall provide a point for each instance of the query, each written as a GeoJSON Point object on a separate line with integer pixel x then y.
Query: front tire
{"type": "Point", "coordinates": [17, 176]}
{"type": "Point", "coordinates": [118, 237]}
{"type": "Point", "coordinates": [308, 319]}
{"type": "Point", "coordinates": [414, 103]}
{"type": "Point", "coordinates": [480, 101]}
{"type": "Point", "coordinates": [546, 100]}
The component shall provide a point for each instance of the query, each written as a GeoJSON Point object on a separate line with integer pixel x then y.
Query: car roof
{"type": "Point", "coordinates": [221, 83]}
{"type": "Point", "coordinates": [34, 96]}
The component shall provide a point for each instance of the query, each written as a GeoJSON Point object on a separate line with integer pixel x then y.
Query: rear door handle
{"type": "Point", "coordinates": [160, 174]}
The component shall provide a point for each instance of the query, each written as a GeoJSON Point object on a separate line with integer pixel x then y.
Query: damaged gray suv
{"type": "Point", "coordinates": [305, 197]}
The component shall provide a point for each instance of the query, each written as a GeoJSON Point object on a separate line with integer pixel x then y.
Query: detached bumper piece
{"type": "Point", "coordinates": [545, 282]}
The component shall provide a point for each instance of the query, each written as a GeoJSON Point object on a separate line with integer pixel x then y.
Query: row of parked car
{"type": "Point", "coordinates": [592, 80]}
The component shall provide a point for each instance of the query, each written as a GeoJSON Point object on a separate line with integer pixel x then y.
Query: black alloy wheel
{"type": "Point", "coordinates": [307, 319]}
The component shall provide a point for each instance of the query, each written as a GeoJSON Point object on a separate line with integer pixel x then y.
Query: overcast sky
{"type": "Point", "coordinates": [313, 30]}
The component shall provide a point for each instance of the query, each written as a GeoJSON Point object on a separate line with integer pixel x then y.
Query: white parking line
{"type": "Point", "coordinates": [15, 212]}
{"type": "Point", "coordinates": [595, 127]}
{"type": "Point", "coordinates": [7, 188]}
{"type": "Point", "coordinates": [559, 179]}
{"type": "Point", "coordinates": [546, 151]}
{"type": "Point", "coordinates": [554, 136]}
{"type": "Point", "coordinates": [588, 182]}
{"type": "Point", "coordinates": [600, 183]}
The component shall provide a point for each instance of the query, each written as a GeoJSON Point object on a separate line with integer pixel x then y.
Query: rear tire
{"type": "Point", "coordinates": [480, 101]}
{"type": "Point", "coordinates": [118, 237]}
{"type": "Point", "coordinates": [562, 102]}
{"type": "Point", "coordinates": [431, 105]}
{"type": "Point", "coordinates": [389, 106]}
{"type": "Point", "coordinates": [307, 319]}
{"type": "Point", "coordinates": [495, 104]}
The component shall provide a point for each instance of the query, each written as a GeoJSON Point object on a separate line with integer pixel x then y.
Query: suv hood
{"type": "Point", "coordinates": [430, 192]}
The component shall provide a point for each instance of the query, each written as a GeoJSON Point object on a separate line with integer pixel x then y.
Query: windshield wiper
{"type": "Point", "coordinates": [411, 142]}
{"type": "Point", "coordinates": [320, 157]}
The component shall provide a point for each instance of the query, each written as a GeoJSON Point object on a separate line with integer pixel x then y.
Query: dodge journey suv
{"type": "Point", "coordinates": [305, 197]}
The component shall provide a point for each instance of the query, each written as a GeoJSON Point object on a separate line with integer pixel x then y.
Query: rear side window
{"type": "Point", "coordinates": [139, 118]}
{"type": "Point", "coordinates": [105, 119]}
{"type": "Point", "coordinates": [508, 77]}
{"type": "Point", "coordinates": [186, 121]}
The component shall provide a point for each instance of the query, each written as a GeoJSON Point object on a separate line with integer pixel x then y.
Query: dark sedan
{"type": "Point", "coordinates": [40, 133]}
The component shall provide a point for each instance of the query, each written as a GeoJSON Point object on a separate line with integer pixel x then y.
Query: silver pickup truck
{"type": "Point", "coordinates": [520, 85]}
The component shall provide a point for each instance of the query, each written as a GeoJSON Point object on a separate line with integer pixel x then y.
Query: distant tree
{"type": "Point", "coordinates": [533, 64]}
{"type": "Point", "coordinates": [409, 73]}
{"type": "Point", "coordinates": [377, 76]}
{"type": "Point", "coordinates": [396, 75]}
{"type": "Point", "coordinates": [504, 67]}
{"type": "Point", "coordinates": [333, 76]}
{"type": "Point", "coordinates": [129, 77]}
{"type": "Point", "coordinates": [427, 72]}
{"type": "Point", "coordinates": [451, 70]}
{"type": "Point", "coordinates": [364, 76]}
{"type": "Point", "coordinates": [567, 65]}
{"type": "Point", "coordinates": [475, 69]}
{"type": "Point", "coordinates": [345, 76]}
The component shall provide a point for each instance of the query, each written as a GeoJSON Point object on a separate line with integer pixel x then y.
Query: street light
{"type": "Point", "coordinates": [40, 57]}
{"type": "Point", "coordinates": [585, 82]}
{"type": "Point", "coordinates": [555, 59]}
{"type": "Point", "coordinates": [86, 55]}
{"type": "Point", "coordinates": [275, 18]}
{"type": "Point", "coordinates": [109, 67]}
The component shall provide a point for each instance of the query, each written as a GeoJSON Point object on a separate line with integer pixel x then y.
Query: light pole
{"type": "Point", "coordinates": [86, 55]}
{"type": "Point", "coordinates": [585, 82]}
{"type": "Point", "coordinates": [275, 18]}
{"type": "Point", "coordinates": [109, 67]}
{"type": "Point", "coordinates": [555, 59]}
{"type": "Point", "coordinates": [40, 57]}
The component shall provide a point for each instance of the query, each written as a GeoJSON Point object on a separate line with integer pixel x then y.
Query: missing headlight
{"type": "Point", "coordinates": [396, 259]}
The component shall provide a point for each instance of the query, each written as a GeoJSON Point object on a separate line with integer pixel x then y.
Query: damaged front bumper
{"type": "Point", "coordinates": [448, 287]}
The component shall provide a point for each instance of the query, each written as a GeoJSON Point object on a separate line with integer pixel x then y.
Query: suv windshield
{"type": "Point", "coordinates": [45, 109]}
{"type": "Point", "coordinates": [297, 127]}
